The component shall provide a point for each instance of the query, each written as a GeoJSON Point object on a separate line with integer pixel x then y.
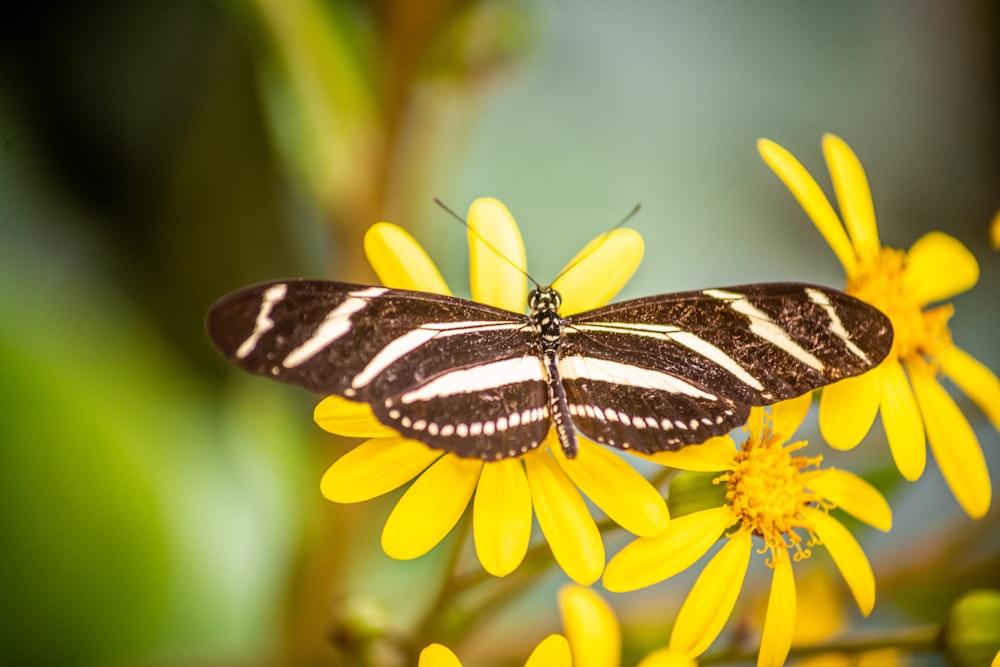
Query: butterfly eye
{"type": "Point", "coordinates": [533, 300]}
{"type": "Point", "coordinates": [544, 298]}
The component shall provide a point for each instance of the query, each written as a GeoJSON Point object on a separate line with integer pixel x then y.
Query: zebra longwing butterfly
{"type": "Point", "coordinates": [648, 375]}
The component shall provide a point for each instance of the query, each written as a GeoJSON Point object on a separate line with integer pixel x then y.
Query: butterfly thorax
{"type": "Point", "coordinates": [544, 303]}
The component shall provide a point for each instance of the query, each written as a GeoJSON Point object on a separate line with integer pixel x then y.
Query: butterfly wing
{"type": "Point", "coordinates": [454, 374]}
{"type": "Point", "coordinates": [630, 407]}
{"type": "Point", "coordinates": [665, 371]}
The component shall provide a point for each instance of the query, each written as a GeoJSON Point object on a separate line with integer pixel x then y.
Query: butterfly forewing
{"type": "Point", "coordinates": [676, 369]}
{"type": "Point", "coordinates": [455, 374]}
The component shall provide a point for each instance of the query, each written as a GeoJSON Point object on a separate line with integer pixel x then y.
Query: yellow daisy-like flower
{"type": "Point", "coordinates": [915, 407]}
{"type": "Point", "coordinates": [822, 619]}
{"type": "Point", "coordinates": [773, 494]}
{"type": "Point", "coordinates": [593, 639]}
{"type": "Point", "coordinates": [553, 651]}
{"type": "Point", "coordinates": [505, 491]}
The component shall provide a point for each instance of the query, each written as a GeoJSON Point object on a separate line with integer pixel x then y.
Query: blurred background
{"type": "Point", "coordinates": [157, 508]}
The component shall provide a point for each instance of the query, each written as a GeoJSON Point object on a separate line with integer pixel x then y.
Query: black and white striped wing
{"type": "Point", "coordinates": [662, 372]}
{"type": "Point", "coordinates": [457, 375]}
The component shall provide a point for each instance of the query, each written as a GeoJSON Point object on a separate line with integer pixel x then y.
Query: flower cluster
{"type": "Point", "coordinates": [772, 494]}
{"type": "Point", "coordinates": [772, 497]}
{"type": "Point", "coordinates": [905, 388]}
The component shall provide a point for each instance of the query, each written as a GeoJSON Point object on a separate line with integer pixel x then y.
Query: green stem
{"type": "Point", "coordinates": [429, 628]}
{"type": "Point", "coordinates": [662, 477]}
{"type": "Point", "coordinates": [915, 639]}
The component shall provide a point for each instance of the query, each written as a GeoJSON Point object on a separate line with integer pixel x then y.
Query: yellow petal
{"type": "Point", "coordinates": [564, 519]}
{"type": "Point", "coordinates": [847, 555]}
{"type": "Point", "coordinates": [437, 655]}
{"type": "Point", "coordinates": [841, 660]}
{"type": "Point", "coordinates": [614, 486]}
{"type": "Point", "coordinates": [904, 427]}
{"type": "Point", "coordinates": [501, 516]}
{"type": "Point", "coordinates": [711, 600]}
{"type": "Point", "coordinates": [853, 495]}
{"type": "Point", "coordinates": [779, 622]}
{"type": "Point", "coordinates": [938, 267]}
{"type": "Point", "coordinates": [710, 456]}
{"type": "Point", "coordinates": [375, 467]}
{"type": "Point", "coordinates": [430, 508]}
{"type": "Point", "coordinates": [853, 196]}
{"type": "Point", "coordinates": [787, 416]}
{"type": "Point", "coordinates": [353, 420]}
{"type": "Point", "coordinates": [667, 657]}
{"type": "Point", "coordinates": [756, 423]}
{"type": "Point", "coordinates": [494, 272]}
{"type": "Point", "coordinates": [553, 651]}
{"type": "Point", "coordinates": [847, 409]}
{"type": "Point", "coordinates": [955, 446]}
{"type": "Point", "coordinates": [810, 196]}
{"type": "Point", "coordinates": [977, 381]}
{"type": "Point", "coordinates": [650, 560]}
{"type": "Point", "coordinates": [824, 615]}
{"type": "Point", "coordinates": [591, 627]}
{"type": "Point", "coordinates": [400, 262]}
{"type": "Point", "coordinates": [882, 657]}
{"type": "Point", "coordinates": [995, 242]}
{"type": "Point", "coordinates": [599, 271]}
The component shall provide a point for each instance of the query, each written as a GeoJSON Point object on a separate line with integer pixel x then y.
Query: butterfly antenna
{"type": "Point", "coordinates": [602, 239]}
{"type": "Point", "coordinates": [485, 242]}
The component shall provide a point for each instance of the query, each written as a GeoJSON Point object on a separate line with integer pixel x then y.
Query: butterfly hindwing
{"type": "Point", "coordinates": [631, 407]}
{"type": "Point", "coordinates": [492, 410]}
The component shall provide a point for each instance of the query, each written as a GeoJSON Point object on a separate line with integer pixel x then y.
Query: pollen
{"type": "Point", "coordinates": [766, 490]}
{"type": "Point", "coordinates": [919, 334]}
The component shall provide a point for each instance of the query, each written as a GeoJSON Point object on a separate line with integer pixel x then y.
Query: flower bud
{"type": "Point", "coordinates": [972, 633]}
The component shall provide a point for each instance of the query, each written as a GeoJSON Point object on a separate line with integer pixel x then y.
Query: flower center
{"type": "Point", "coordinates": [919, 334]}
{"type": "Point", "coordinates": [766, 491]}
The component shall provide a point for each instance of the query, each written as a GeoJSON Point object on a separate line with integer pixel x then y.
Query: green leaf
{"type": "Point", "coordinates": [694, 491]}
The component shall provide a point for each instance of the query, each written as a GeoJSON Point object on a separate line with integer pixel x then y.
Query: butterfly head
{"type": "Point", "coordinates": [544, 299]}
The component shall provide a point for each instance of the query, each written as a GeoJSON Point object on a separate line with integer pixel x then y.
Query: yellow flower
{"type": "Point", "coordinates": [553, 651]}
{"type": "Point", "coordinates": [821, 620]}
{"type": "Point", "coordinates": [593, 639]}
{"type": "Point", "coordinates": [995, 231]}
{"type": "Point", "coordinates": [507, 490]}
{"type": "Point", "coordinates": [775, 495]}
{"type": "Point", "coordinates": [915, 407]}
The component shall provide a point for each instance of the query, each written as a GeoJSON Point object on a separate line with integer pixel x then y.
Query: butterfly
{"type": "Point", "coordinates": [648, 375]}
